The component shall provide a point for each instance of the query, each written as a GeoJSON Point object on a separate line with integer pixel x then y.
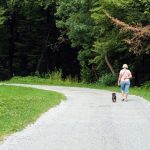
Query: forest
{"type": "Point", "coordinates": [85, 39]}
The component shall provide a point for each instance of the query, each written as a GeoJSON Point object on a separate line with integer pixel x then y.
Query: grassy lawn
{"type": "Point", "coordinates": [56, 80]}
{"type": "Point", "coordinates": [20, 106]}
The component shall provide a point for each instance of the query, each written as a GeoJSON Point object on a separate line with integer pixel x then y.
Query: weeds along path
{"type": "Point", "coordinates": [88, 120]}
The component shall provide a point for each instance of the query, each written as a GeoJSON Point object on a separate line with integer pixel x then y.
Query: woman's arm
{"type": "Point", "coordinates": [129, 75]}
{"type": "Point", "coordinates": [119, 78]}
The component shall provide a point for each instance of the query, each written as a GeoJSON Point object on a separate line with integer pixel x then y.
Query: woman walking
{"type": "Point", "coordinates": [124, 81]}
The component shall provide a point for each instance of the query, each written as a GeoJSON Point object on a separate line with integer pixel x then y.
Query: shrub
{"type": "Point", "coordinates": [55, 75]}
{"type": "Point", "coordinates": [146, 84]}
{"type": "Point", "coordinates": [108, 80]}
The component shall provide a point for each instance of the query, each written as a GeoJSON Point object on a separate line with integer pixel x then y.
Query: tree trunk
{"type": "Point", "coordinates": [40, 61]}
{"type": "Point", "coordinates": [94, 72]}
{"type": "Point", "coordinates": [43, 53]}
{"type": "Point", "coordinates": [109, 64]}
{"type": "Point", "coordinates": [12, 30]}
{"type": "Point", "coordinates": [50, 39]}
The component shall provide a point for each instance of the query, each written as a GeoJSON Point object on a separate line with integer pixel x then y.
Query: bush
{"type": "Point", "coordinates": [146, 84]}
{"type": "Point", "coordinates": [55, 75]}
{"type": "Point", "coordinates": [108, 80]}
{"type": "Point", "coordinates": [87, 75]}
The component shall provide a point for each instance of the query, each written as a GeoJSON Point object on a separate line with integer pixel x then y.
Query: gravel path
{"type": "Point", "coordinates": [88, 120]}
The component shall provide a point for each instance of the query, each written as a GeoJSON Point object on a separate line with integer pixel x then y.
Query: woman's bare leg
{"type": "Point", "coordinates": [126, 97]}
{"type": "Point", "coordinates": [122, 96]}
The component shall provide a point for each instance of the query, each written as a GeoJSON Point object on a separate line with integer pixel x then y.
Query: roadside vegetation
{"type": "Point", "coordinates": [55, 78]}
{"type": "Point", "coordinates": [20, 106]}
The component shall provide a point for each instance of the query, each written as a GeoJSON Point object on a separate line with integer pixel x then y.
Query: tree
{"type": "Point", "coordinates": [141, 35]}
{"type": "Point", "coordinates": [100, 41]}
{"type": "Point", "coordinates": [75, 22]}
{"type": "Point", "coordinates": [133, 12]}
{"type": "Point", "coordinates": [30, 41]}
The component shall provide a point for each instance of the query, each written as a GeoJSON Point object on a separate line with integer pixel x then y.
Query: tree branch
{"type": "Point", "coordinates": [141, 35]}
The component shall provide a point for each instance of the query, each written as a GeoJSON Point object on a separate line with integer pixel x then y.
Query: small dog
{"type": "Point", "coordinates": [113, 97]}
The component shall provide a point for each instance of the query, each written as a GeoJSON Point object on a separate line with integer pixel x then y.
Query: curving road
{"type": "Point", "coordinates": [88, 120]}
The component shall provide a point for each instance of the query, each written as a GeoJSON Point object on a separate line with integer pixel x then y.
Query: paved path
{"type": "Point", "coordinates": [88, 120]}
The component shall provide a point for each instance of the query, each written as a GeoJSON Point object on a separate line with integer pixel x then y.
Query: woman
{"type": "Point", "coordinates": [124, 81]}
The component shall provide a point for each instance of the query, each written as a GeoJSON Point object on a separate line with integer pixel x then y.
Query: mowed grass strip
{"type": "Point", "coordinates": [20, 106]}
{"type": "Point", "coordinates": [56, 80]}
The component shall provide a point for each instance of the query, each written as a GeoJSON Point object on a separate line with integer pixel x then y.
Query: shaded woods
{"type": "Point", "coordinates": [88, 39]}
{"type": "Point", "coordinates": [30, 41]}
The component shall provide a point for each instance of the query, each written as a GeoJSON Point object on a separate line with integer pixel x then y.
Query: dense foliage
{"type": "Point", "coordinates": [104, 51]}
{"type": "Point", "coordinates": [37, 37]}
{"type": "Point", "coordinates": [30, 43]}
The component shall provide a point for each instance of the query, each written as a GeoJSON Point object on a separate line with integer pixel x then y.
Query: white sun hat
{"type": "Point", "coordinates": [125, 66]}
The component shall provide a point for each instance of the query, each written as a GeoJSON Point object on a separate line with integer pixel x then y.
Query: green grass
{"type": "Point", "coordinates": [20, 106]}
{"type": "Point", "coordinates": [45, 81]}
{"type": "Point", "coordinates": [138, 91]}
{"type": "Point", "coordinates": [55, 79]}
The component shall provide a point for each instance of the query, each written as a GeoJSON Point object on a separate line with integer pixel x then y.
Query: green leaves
{"type": "Point", "coordinates": [2, 17]}
{"type": "Point", "coordinates": [82, 22]}
{"type": "Point", "coordinates": [75, 20]}
{"type": "Point", "coordinates": [44, 3]}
